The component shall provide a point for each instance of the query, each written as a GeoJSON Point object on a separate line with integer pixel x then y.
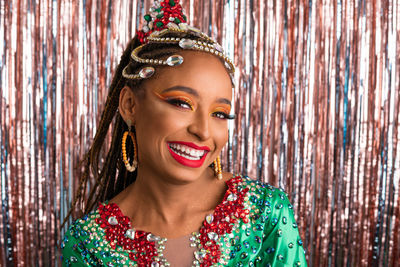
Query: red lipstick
{"type": "Point", "coordinates": [185, 161]}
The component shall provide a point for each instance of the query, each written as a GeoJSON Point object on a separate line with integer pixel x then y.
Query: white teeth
{"type": "Point", "coordinates": [187, 152]}
{"type": "Point", "coordinates": [187, 156]}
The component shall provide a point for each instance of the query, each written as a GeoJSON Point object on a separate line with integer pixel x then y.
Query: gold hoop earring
{"type": "Point", "coordinates": [217, 168]}
{"type": "Point", "coordinates": [129, 167]}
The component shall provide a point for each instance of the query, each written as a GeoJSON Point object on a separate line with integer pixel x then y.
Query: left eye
{"type": "Point", "coordinates": [180, 103]}
{"type": "Point", "coordinates": [221, 115]}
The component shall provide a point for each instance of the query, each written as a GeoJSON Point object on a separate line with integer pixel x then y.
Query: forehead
{"type": "Point", "coordinates": [201, 71]}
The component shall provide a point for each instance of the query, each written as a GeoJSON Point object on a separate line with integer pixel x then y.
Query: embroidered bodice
{"type": "Point", "coordinates": [252, 226]}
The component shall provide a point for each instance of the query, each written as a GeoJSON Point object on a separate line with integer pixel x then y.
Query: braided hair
{"type": "Point", "coordinates": [112, 177]}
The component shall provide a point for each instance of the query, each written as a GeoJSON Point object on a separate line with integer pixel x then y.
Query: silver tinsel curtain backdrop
{"type": "Point", "coordinates": [317, 103]}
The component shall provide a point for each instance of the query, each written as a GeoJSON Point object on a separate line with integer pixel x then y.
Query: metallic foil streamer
{"type": "Point", "coordinates": [317, 103]}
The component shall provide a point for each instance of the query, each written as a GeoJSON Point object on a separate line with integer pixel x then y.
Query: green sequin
{"type": "Point", "coordinates": [147, 17]}
{"type": "Point", "coordinates": [159, 24]}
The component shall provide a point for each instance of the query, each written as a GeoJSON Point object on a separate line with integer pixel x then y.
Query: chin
{"type": "Point", "coordinates": [182, 176]}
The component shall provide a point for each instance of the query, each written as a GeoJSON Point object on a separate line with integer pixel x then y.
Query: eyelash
{"type": "Point", "coordinates": [224, 116]}
{"type": "Point", "coordinates": [181, 102]}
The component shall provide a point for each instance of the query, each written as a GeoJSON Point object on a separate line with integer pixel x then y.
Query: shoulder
{"type": "Point", "coordinates": [269, 207]}
{"type": "Point", "coordinates": [271, 201]}
{"type": "Point", "coordinates": [258, 191]}
{"type": "Point", "coordinates": [249, 182]}
{"type": "Point", "coordinates": [90, 241]}
{"type": "Point", "coordinates": [82, 227]}
{"type": "Point", "coordinates": [80, 241]}
{"type": "Point", "coordinates": [272, 224]}
{"type": "Point", "coordinates": [265, 204]}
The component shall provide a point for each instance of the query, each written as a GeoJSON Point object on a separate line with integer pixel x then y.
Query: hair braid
{"type": "Point", "coordinates": [91, 159]}
{"type": "Point", "coordinates": [113, 176]}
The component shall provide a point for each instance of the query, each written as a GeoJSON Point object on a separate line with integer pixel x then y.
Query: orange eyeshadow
{"type": "Point", "coordinates": [175, 95]}
{"type": "Point", "coordinates": [223, 108]}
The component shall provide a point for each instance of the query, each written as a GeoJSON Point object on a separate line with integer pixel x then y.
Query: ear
{"type": "Point", "coordinates": [127, 104]}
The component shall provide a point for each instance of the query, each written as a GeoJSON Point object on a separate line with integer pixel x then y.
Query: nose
{"type": "Point", "coordinates": [200, 125]}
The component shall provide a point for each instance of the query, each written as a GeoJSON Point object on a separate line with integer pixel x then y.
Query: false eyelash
{"type": "Point", "coordinates": [231, 116]}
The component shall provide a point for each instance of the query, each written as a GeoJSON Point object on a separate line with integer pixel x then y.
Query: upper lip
{"type": "Point", "coordinates": [192, 145]}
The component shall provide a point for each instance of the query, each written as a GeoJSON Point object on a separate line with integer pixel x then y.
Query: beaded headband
{"type": "Point", "coordinates": [165, 18]}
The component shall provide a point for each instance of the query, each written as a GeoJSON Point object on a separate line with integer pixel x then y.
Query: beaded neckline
{"type": "Point", "coordinates": [147, 249]}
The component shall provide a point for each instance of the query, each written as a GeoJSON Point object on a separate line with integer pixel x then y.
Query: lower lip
{"type": "Point", "coordinates": [187, 162]}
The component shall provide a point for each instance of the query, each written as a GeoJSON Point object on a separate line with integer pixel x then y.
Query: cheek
{"type": "Point", "coordinates": [221, 133]}
{"type": "Point", "coordinates": [153, 126]}
{"type": "Point", "coordinates": [157, 122]}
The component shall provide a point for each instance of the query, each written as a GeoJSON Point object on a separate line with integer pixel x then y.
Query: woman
{"type": "Point", "coordinates": [166, 206]}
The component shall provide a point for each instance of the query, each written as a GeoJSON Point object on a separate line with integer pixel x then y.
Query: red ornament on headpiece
{"type": "Point", "coordinates": [166, 24]}
{"type": "Point", "coordinates": [162, 15]}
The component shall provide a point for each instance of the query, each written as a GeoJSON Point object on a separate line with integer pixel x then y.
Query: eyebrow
{"type": "Point", "coordinates": [194, 93]}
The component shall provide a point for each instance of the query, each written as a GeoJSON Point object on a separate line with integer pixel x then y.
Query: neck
{"type": "Point", "coordinates": [170, 201]}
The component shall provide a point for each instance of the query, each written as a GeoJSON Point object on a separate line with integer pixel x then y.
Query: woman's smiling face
{"type": "Point", "coordinates": [181, 120]}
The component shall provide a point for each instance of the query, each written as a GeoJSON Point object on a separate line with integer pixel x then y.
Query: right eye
{"type": "Point", "coordinates": [181, 103]}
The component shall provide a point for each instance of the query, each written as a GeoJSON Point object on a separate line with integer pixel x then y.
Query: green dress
{"type": "Point", "coordinates": [252, 226]}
